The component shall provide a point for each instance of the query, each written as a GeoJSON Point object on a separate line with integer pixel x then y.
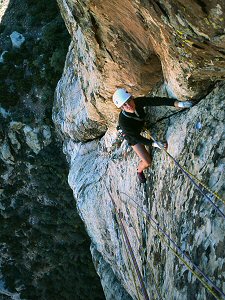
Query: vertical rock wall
{"type": "Point", "coordinates": [96, 170]}
{"type": "Point", "coordinates": [135, 44]}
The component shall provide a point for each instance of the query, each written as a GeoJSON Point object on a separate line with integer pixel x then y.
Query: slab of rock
{"type": "Point", "coordinates": [17, 39]}
{"type": "Point", "coordinates": [97, 169]}
{"type": "Point", "coordinates": [138, 44]}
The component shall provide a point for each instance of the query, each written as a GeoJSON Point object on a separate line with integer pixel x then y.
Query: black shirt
{"type": "Point", "coordinates": [133, 123]}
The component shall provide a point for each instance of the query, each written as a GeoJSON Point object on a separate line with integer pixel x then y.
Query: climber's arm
{"type": "Point", "coordinates": [154, 101]}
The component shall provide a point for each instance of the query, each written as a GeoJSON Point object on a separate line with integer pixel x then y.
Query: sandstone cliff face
{"type": "Point", "coordinates": [137, 44]}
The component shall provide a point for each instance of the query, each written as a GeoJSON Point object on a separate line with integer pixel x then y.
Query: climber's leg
{"type": "Point", "coordinates": [145, 162]}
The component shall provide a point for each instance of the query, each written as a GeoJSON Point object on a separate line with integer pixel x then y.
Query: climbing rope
{"type": "Point", "coordinates": [195, 102]}
{"type": "Point", "coordinates": [189, 176]}
{"type": "Point", "coordinates": [167, 116]}
{"type": "Point", "coordinates": [156, 285]}
{"type": "Point", "coordinates": [141, 281]}
{"type": "Point", "coordinates": [164, 117]}
{"type": "Point", "coordinates": [205, 186]}
{"type": "Point", "coordinates": [129, 262]}
{"type": "Point", "coordinates": [159, 229]}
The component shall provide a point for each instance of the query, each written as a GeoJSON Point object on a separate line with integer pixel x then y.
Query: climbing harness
{"type": "Point", "coordinates": [120, 137]}
{"type": "Point", "coordinates": [159, 229]}
{"type": "Point", "coordinates": [141, 281]}
{"type": "Point", "coordinates": [192, 180]}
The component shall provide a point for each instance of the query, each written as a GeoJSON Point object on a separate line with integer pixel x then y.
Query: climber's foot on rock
{"type": "Point", "coordinates": [160, 145]}
{"type": "Point", "coordinates": [141, 177]}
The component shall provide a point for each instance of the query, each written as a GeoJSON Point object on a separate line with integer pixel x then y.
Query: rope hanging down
{"type": "Point", "coordinates": [141, 281]}
{"type": "Point", "coordinates": [131, 267]}
{"type": "Point", "coordinates": [192, 180]}
{"type": "Point", "coordinates": [156, 285]}
{"type": "Point", "coordinates": [205, 187]}
{"type": "Point", "coordinates": [149, 217]}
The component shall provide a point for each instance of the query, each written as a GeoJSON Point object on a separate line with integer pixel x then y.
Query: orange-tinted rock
{"type": "Point", "coordinates": [137, 43]}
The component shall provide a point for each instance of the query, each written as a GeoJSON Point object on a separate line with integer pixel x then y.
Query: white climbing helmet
{"type": "Point", "coordinates": [120, 97]}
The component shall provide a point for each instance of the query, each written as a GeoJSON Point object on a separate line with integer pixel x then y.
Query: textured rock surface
{"type": "Point", "coordinates": [43, 244]}
{"type": "Point", "coordinates": [44, 249]}
{"type": "Point", "coordinates": [171, 200]}
{"type": "Point", "coordinates": [136, 43]}
{"type": "Point", "coordinates": [17, 39]}
{"type": "Point", "coordinates": [124, 44]}
{"type": "Point", "coordinates": [70, 112]}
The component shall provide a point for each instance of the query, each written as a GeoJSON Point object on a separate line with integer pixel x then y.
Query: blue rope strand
{"type": "Point", "coordinates": [192, 180]}
{"type": "Point", "coordinates": [175, 245]}
{"type": "Point", "coordinates": [141, 281]}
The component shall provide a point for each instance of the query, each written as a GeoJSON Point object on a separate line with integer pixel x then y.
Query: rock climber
{"type": "Point", "coordinates": [132, 119]}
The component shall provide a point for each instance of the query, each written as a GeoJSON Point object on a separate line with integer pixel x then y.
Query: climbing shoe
{"type": "Point", "coordinates": [185, 104]}
{"type": "Point", "coordinates": [160, 145]}
{"type": "Point", "coordinates": [141, 177]}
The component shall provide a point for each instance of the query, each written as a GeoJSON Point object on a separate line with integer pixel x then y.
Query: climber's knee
{"type": "Point", "coordinates": [143, 154]}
